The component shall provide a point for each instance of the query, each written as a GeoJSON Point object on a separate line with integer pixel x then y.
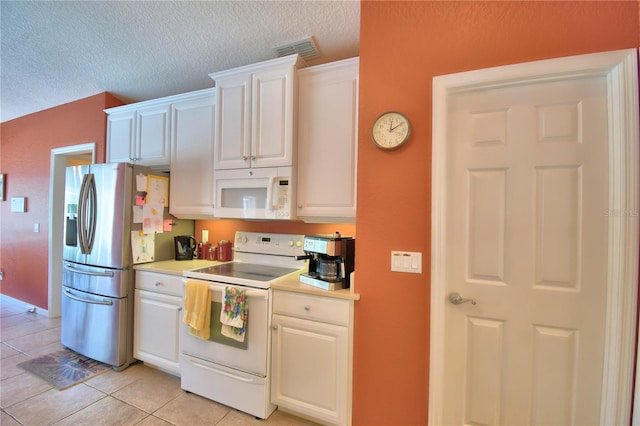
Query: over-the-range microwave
{"type": "Point", "coordinates": [260, 193]}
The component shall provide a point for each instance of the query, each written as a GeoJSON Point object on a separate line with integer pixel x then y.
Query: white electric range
{"type": "Point", "coordinates": [223, 369]}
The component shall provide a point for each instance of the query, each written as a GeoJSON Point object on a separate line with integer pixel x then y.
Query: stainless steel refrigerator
{"type": "Point", "coordinates": [98, 276]}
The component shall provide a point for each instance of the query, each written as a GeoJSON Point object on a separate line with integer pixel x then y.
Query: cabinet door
{"type": "Point", "coordinates": [120, 137]}
{"type": "Point", "coordinates": [310, 368]}
{"type": "Point", "coordinates": [272, 117]}
{"type": "Point", "coordinates": [156, 330]}
{"type": "Point", "coordinates": [191, 190]}
{"type": "Point", "coordinates": [152, 136]}
{"type": "Point", "coordinates": [233, 126]}
{"type": "Point", "coordinates": [327, 139]}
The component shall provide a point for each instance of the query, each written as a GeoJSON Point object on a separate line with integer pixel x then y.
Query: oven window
{"type": "Point", "coordinates": [216, 327]}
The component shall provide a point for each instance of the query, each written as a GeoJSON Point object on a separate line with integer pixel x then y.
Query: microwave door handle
{"type": "Point", "coordinates": [270, 205]}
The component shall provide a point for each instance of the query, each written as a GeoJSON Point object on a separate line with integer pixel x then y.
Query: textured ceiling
{"type": "Point", "coordinates": [54, 52]}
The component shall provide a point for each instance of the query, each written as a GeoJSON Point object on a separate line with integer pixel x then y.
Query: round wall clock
{"type": "Point", "coordinates": [391, 130]}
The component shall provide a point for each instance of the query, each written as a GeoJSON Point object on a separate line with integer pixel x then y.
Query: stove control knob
{"type": "Point", "coordinates": [299, 244]}
{"type": "Point", "coordinates": [291, 243]}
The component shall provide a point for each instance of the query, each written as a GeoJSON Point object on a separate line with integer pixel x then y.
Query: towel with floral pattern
{"type": "Point", "coordinates": [234, 313]}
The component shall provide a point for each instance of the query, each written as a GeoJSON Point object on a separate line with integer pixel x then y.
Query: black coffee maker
{"type": "Point", "coordinates": [185, 247]}
{"type": "Point", "coordinates": [331, 261]}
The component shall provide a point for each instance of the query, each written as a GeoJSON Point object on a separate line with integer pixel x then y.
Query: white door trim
{"type": "Point", "coordinates": [56, 216]}
{"type": "Point", "coordinates": [620, 70]}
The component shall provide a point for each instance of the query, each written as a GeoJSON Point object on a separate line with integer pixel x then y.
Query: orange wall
{"type": "Point", "coordinates": [403, 45]}
{"type": "Point", "coordinates": [26, 154]}
{"type": "Point", "coordinates": [226, 229]}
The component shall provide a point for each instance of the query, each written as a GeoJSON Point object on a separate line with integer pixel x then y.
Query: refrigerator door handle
{"type": "Point", "coordinates": [91, 231]}
{"type": "Point", "coordinates": [82, 216]}
{"type": "Point", "coordinates": [80, 271]}
{"type": "Point", "coordinates": [80, 299]}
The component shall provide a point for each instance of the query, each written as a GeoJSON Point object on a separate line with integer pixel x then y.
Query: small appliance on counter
{"type": "Point", "coordinates": [331, 261]}
{"type": "Point", "coordinates": [185, 246]}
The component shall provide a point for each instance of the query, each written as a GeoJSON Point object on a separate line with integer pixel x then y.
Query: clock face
{"type": "Point", "coordinates": [390, 130]}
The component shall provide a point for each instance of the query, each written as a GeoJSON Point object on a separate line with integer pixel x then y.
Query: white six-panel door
{"type": "Point", "coordinates": [525, 210]}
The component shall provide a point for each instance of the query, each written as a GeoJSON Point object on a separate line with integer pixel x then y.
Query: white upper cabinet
{"type": "Point", "coordinates": [139, 133]}
{"type": "Point", "coordinates": [256, 109]}
{"type": "Point", "coordinates": [192, 129]}
{"type": "Point", "coordinates": [328, 141]}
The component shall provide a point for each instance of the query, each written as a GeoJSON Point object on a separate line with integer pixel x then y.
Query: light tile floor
{"type": "Point", "coordinates": [139, 395]}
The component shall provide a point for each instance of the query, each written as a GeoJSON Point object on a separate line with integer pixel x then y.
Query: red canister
{"type": "Point", "coordinates": [213, 253]}
{"type": "Point", "coordinates": [203, 250]}
{"type": "Point", "coordinates": [224, 250]}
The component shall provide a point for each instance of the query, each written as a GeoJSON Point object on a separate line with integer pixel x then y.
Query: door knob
{"type": "Point", "coordinates": [456, 299]}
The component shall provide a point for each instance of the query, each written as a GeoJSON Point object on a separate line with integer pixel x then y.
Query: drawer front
{"type": "Point", "coordinates": [315, 308]}
{"type": "Point", "coordinates": [159, 283]}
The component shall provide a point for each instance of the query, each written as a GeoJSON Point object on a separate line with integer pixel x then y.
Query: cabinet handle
{"type": "Point", "coordinates": [245, 158]}
{"type": "Point", "coordinates": [307, 308]}
{"type": "Point", "coordinates": [180, 309]}
{"type": "Point", "coordinates": [253, 157]}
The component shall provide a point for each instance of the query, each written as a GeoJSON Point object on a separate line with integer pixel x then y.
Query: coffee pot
{"type": "Point", "coordinates": [331, 261]}
{"type": "Point", "coordinates": [185, 247]}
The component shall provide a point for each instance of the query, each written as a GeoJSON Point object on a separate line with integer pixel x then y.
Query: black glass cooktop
{"type": "Point", "coordinates": [248, 271]}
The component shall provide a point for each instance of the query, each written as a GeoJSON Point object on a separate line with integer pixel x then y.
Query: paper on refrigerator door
{"type": "Point", "coordinates": [141, 182]}
{"type": "Point", "coordinates": [152, 218]}
{"type": "Point", "coordinates": [142, 247]}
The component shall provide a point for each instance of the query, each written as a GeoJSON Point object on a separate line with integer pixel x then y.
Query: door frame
{"type": "Point", "coordinates": [620, 69]}
{"type": "Point", "coordinates": [59, 161]}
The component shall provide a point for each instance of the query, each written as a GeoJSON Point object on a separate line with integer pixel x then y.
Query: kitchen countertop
{"type": "Point", "coordinates": [289, 282]}
{"type": "Point", "coordinates": [174, 267]}
{"type": "Point", "coordinates": [292, 283]}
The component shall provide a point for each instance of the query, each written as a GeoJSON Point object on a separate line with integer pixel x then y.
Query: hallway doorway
{"type": "Point", "coordinates": [60, 159]}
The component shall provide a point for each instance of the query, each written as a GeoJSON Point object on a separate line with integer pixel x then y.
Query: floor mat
{"type": "Point", "coordinates": [64, 368]}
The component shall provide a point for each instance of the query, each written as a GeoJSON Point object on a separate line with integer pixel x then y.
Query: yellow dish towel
{"type": "Point", "coordinates": [197, 309]}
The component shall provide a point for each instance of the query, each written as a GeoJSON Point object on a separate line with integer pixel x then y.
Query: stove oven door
{"type": "Point", "coordinates": [249, 356]}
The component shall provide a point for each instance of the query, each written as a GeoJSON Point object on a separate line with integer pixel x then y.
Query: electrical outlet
{"type": "Point", "coordinates": [406, 261]}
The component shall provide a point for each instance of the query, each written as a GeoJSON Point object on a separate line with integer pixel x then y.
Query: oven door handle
{"type": "Point", "coordinates": [219, 288]}
{"type": "Point", "coordinates": [248, 292]}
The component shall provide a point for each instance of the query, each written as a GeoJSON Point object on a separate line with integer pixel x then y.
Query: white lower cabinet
{"type": "Point", "coordinates": [311, 366]}
{"type": "Point", "coordinates": [157, 317]}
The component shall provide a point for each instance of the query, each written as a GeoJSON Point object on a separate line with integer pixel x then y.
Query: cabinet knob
{"type": "Point", "coordinates": [253, 157]}
{"type": "Point", "coordinates": [275, 326]}
{"type": "Point", "coordinates": [307, 308]}
{"type": "Point", "coordinates": [158, 284]}
{"type": "Point", "coordinates": [245, 158]}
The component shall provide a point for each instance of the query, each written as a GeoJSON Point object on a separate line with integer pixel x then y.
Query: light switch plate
{"type": "Point", "coordinates": [17, 204]}
{"type": "Point", "coordinates": [406, 261]}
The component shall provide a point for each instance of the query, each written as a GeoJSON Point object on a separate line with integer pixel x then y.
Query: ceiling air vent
{"type": "Point", "coordinates": [306, 48]}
